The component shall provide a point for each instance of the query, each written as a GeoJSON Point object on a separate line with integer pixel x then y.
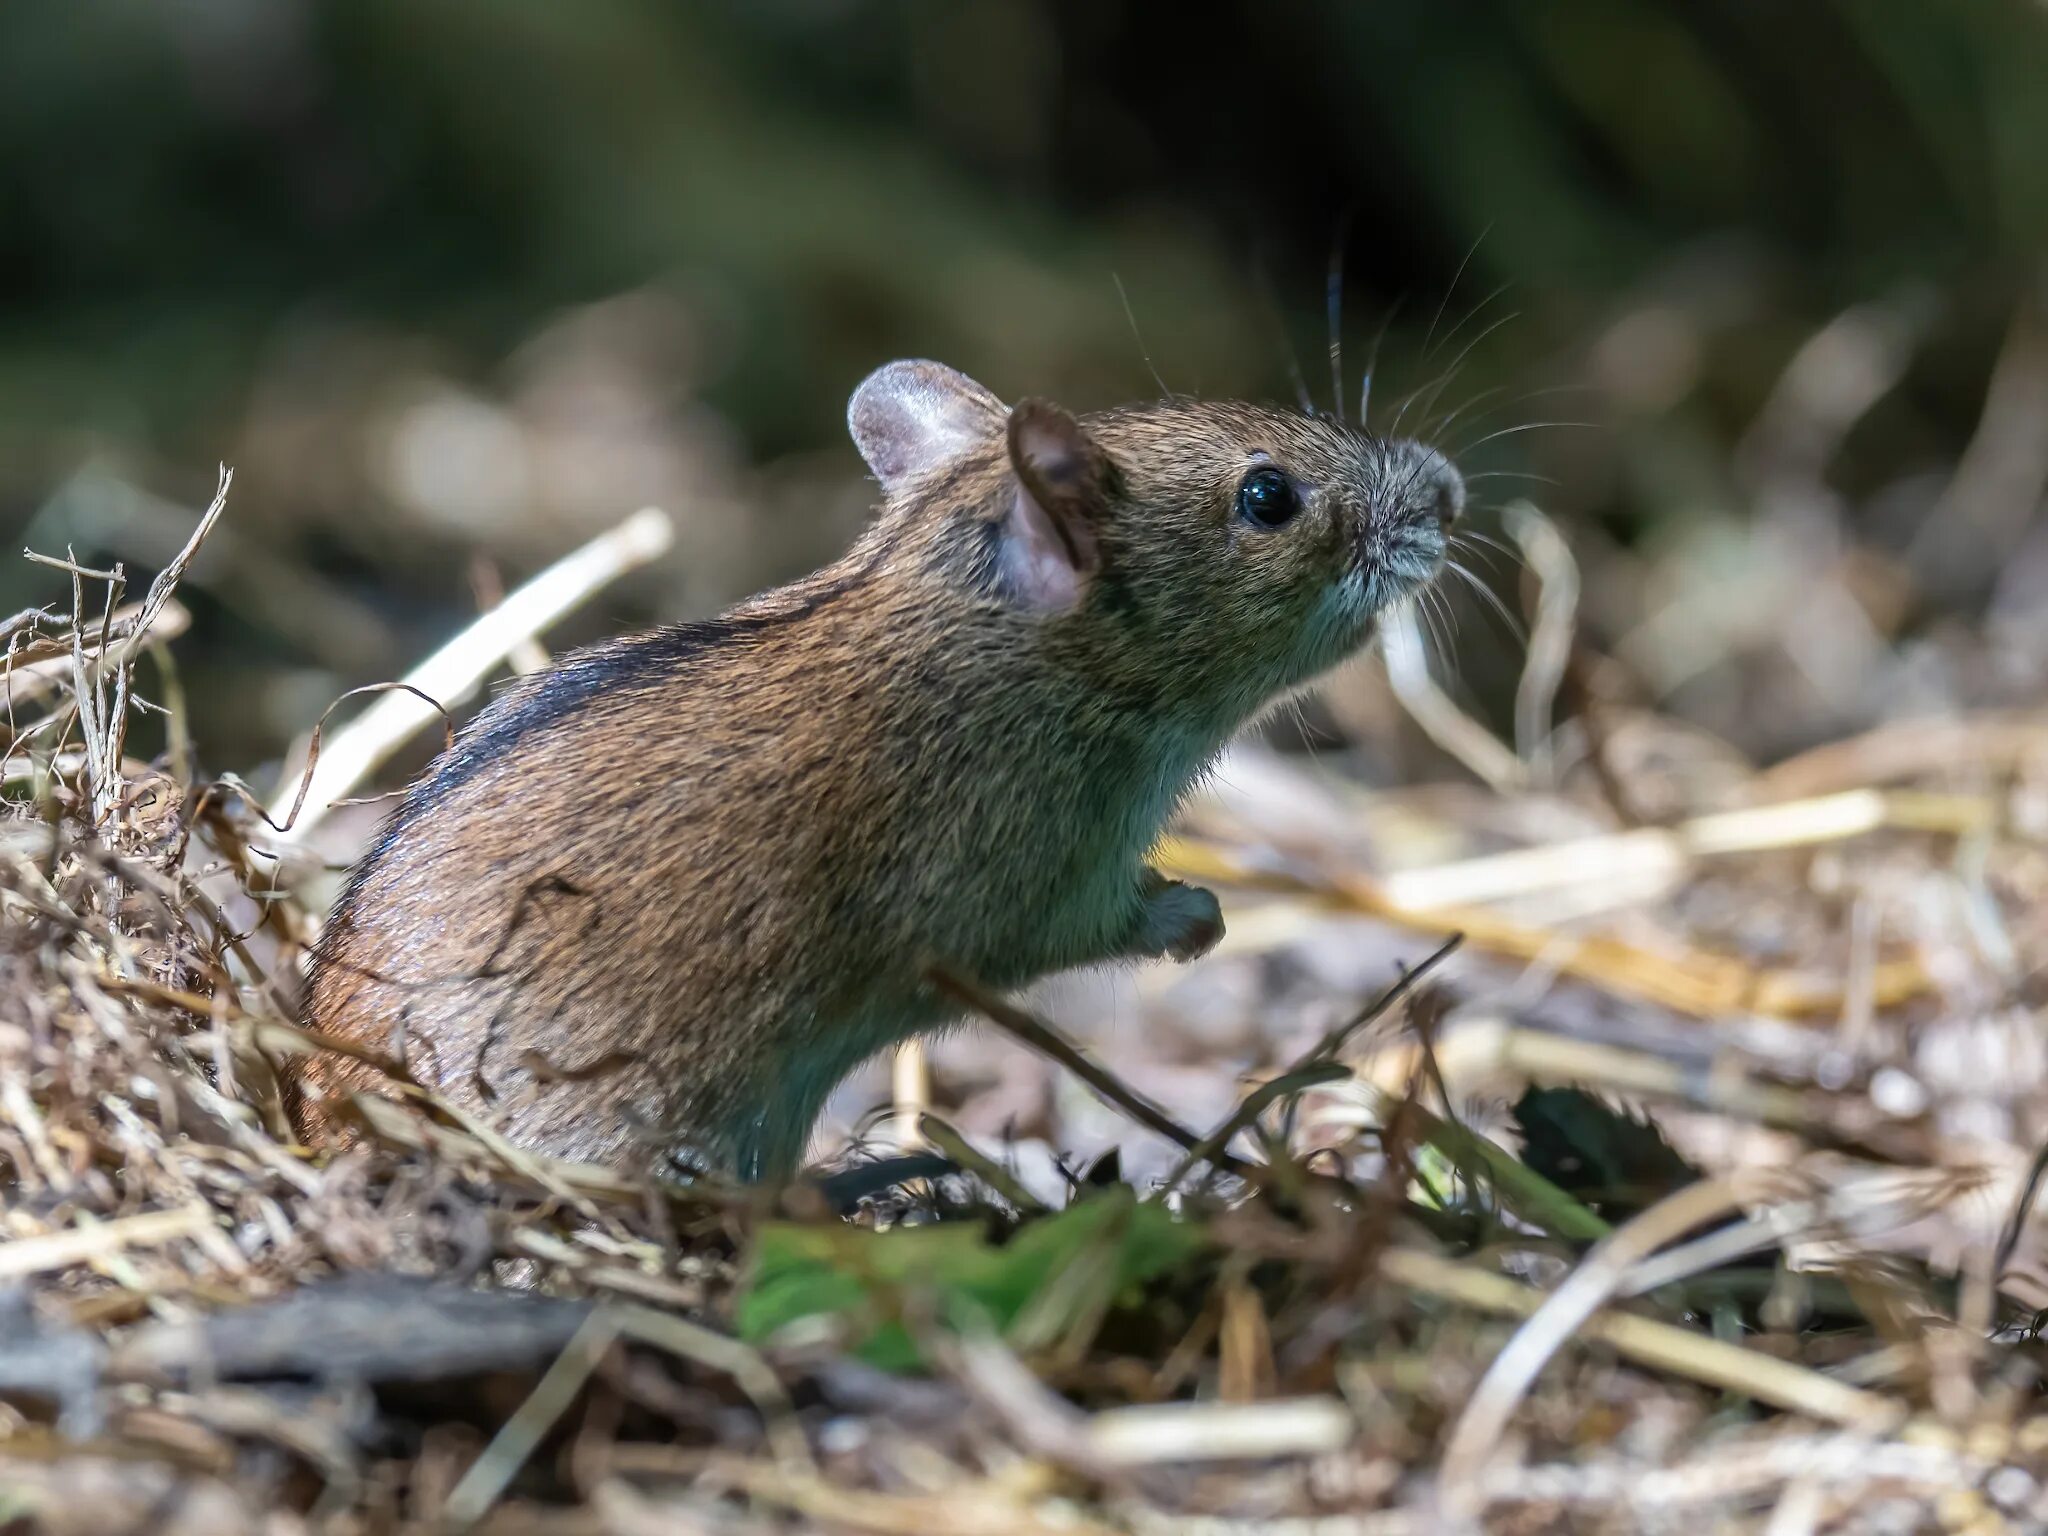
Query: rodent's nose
{"type": "Point", "coordinates": [1446, 489]}
{"type": "Point", "coordinates": [1430, 486]}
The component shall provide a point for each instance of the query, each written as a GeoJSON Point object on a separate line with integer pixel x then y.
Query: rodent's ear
{"type": "Point", "coordinates": [1049, 546]}
{"type": "Point", "coordinates": [908, 418]}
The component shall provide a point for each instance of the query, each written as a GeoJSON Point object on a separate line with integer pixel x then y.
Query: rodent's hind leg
{"type": "Point", "coordinates": [1178, 921]}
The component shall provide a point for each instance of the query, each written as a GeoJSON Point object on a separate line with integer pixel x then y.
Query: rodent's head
{"type": "Point", "coordinates": [1222, 549]}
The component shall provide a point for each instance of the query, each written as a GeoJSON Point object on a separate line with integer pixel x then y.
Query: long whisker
{"type": "Point", "coordinates": [1443, 602]}
{"type": "Point", "coordinates": [1454, 667]}
{"type": "Point", "coordinates": [1491, 553]}
{"type": "Point", "coordinates": [1334, 296]}
{"type": "Point", "coordinates": [1430, 642]}
{"type": "Point", "coordinates": [1439, 425]}
{"type": "Point", "coordinates": [1435, 388]}
{"type": "Point", "coordinates": [1491, 599]}
{"type": "Point", "coordinates": [1372, 367]}
{"type": "Point", "coordinates": [1472, 314]}
{"type": "Point", "coordinates": [1131, 315]}
{"type": "Point", "coordinates": [1307, 733]}
{"type": "Point", "coordinates": [1527, 426]}
{"type": "Point", "coordinates": [1490, 560]}
{"type": "Point", "coordinates": [1474, 536]}
{"type": "Point", "coordinates": [1270, 302]}
{"type": "Point", "coordinates": [1512, 474]}
{"type": "Point", "coordinates": [1452, 288]}
{"type": "Point", "coordinates": [1437, 430]}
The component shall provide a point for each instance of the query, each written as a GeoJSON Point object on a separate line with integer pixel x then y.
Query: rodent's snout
{"type": "Point", "coordinates": [1443, 488]}
{"type": "Point", "coordinates": [1420, 497]}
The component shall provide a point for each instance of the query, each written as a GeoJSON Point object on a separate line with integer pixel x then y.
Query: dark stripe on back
{"type": "Point", "coordinates": [573, 683]}
{"type": "Point", "coordinates": [610, 666]}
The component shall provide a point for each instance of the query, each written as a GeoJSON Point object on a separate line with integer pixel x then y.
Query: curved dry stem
{"type": "Point", "coordinates": [1604, 1273]}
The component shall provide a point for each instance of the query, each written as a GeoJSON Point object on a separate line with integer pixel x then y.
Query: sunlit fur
{"type": "Point", "coordinates": [714, 860]}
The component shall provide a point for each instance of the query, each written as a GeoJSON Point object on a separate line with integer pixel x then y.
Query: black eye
{"type": "Point", "coordinates": [1267, 498]}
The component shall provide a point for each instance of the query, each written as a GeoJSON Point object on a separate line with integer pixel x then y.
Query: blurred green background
{"type": "Point", "coordinates": [447, 279]}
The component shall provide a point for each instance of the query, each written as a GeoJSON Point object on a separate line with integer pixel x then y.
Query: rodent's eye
{"type": "Point", "coordinates": [1267, 498]}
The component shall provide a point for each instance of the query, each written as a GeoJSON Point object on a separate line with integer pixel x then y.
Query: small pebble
{"type": "Point", "coordinates": [1897, 1093]}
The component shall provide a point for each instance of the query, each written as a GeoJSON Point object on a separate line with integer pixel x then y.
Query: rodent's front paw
{"type": "Point", "coordinates": [1181, 922]}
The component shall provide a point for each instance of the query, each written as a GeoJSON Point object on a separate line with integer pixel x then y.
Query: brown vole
{"type": "Point", "coordinates": [672, 891]}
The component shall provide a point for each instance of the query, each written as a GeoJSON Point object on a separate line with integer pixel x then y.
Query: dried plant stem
{"type": "Point", "coordinates": [1482, 1049]}
{"type": "Point", "coordinates": [454, 672]}
{"type": "Point", "coordinates": [1986, 745]}
{"type": "Point", "coordinates": [58, 1250]}
{"type": "Point", "coordinates": [156, 601]}
{"type": "Point", "coordinates": [1432, 709]}
{"type": "Point", "coordinates": [1315, 1066]}
{"type": "Point", "coordinates": [1189, 1432]}
{"type": "Point", "coordinates": [1573, 1307]}
{"type": "Point", "coordinates": [398, 1126]}
{"type": "Point", "coordinates": [33, 670]}
{"type": "Point", "coordinates": [1297, 1079]}
{"type": "Point", "coordinates": [970, 1511]}
{"type": "Point", "coordinates": [1549, 557]}
{"type": "Point", "coordinates": [951, 1144]}
{"type": "Point", "coordinates": [1695, 1356]}
{"type": "Point", "coordinates": [1049, 1042]}
{"type": "Point", "coordinates": [911, 1089]}
{"type": "Point", "coordinates": [1687, 980]}
{"type": "Point", "coordinates": [1629, 860]}
{"type": "Point", "coordinates": [551, 1397]}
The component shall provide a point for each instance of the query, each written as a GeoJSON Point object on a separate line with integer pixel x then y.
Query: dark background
{"type": "Point", "coordinates": [455, 278]}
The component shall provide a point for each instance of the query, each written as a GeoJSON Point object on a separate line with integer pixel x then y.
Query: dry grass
{"type": "Point", "coordinates": [1382, 1320]}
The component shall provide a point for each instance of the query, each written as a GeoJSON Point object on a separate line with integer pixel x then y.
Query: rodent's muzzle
{"type": "Point", "coordinates": [1442, 487]}
{"type": "Point", "coordinates": [1421, 497]}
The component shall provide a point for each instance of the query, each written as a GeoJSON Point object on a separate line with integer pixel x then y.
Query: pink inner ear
{"type": "Point", "coordinates": [1042, 569]}
{"type": "Point", "coordinates": [910, 418]}
{"type": "Point", "coordinates": [1058, 474]}
{"type": "Point", "coordinates": [1050, 451]}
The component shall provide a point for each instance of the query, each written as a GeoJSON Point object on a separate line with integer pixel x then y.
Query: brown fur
{"type": "Point", "coordinates": [710, 863]}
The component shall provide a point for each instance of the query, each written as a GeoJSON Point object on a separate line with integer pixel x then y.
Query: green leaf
{"type": "Point", "coordinates": [1611, 1161]}
{"type": "Point", "coordinates": [1054, 1276]}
